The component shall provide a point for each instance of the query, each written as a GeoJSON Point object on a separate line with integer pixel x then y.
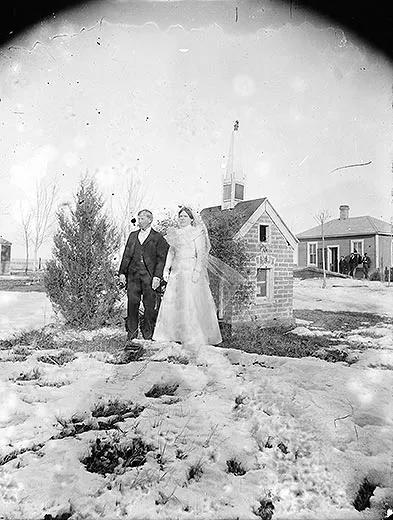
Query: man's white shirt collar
{"type": "Point", "coordinates": [142, 235]}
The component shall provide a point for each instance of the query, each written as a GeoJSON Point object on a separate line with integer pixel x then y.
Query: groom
{"type": "Point", "coordinates": [141, 268]}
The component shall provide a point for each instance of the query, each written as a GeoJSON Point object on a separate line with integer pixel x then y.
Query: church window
{"type": "Point", "coordinates": [262, 282]}
{"type": "Point", "coordinates": [263, 233]}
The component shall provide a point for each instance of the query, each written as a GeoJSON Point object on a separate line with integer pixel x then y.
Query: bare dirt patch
{"type": "Point", "coordinates": [279, 341]}
{"type": "Point", "coordinates": [345, 321]}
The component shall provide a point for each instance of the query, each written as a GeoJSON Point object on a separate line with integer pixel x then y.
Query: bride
{"type": "Point", "coordinates": [187, 313]}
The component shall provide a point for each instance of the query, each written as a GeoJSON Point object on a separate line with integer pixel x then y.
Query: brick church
{"type": "Point", "coordinates": [270, 246]}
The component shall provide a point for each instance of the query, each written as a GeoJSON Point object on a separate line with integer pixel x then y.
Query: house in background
{"type": "Point", "coordinates": [270, 245]}
{"type": "Point", "coordinates": [5, 256]}
{"type": "Point", "coordinates": [344, 236]}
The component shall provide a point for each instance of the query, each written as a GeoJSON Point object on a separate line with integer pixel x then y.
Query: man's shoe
{"type": "Point", "coordinates": [132, 345]}
{"type": "Point", "coordinates": [130, 354]}
{"type": "Point", "coordinates": [134, 354]}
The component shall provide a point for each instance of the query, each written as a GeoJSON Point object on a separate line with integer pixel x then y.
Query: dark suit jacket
{"type": "Point", "coordinates": [155, 251]}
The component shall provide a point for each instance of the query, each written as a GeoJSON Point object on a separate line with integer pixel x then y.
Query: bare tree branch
{"type": "Point", "coordinates": [26, 217]}
{"type": "Point", "coordinates": [321, 217]}
{"type": "Point", "coordinates": [132, 198]}
{"type": "Point", "coordinates": [42, 210]}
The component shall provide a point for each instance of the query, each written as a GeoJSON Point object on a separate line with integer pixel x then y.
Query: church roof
{"type": "Point", "coordinates": [246, 213]}
{"type": "Point", "coordinates": [243, 211]}
{"type": "Point", "coordinates": [353, 226]}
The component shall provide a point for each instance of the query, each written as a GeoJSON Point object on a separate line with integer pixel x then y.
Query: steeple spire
{"type": "Point", "coordinates": [233, 184]}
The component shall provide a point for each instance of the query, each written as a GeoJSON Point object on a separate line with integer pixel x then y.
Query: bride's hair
{"type": "Point", "coordinates": [189, 213]}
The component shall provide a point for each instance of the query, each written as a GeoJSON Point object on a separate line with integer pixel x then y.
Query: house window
{"type": "Point", "coordinates": [262, 282]}
{"type": "Point", "coordinates": [312, 253]}
{"type": "Point", "coordinates": [263, 233]}
{"type": "Point", "coordinates": [5, 253]}
{"type": "Point", "coordinates": [357, 246]}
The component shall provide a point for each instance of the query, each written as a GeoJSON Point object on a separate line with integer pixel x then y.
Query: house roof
{"type": "Point", "coordinates": [5, 242]}
{"type": "Point", "coordinates": [353, 226]}
{"type": "Point", "coordinates": [248, 213]}
{"type": "Point", "coordinates": [243, 210]}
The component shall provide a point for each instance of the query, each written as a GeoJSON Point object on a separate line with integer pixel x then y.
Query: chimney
{"type": "Point", "coordinates": [344, 211]}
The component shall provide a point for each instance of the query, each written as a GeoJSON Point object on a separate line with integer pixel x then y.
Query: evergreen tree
{"type": "Point", "coordinates": [80, 278]}
{"type": "Point", "coordinates": [221, 228]}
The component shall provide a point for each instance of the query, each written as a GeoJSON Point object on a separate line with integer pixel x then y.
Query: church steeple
{"type": "Point", "coordinates": [233, 184]}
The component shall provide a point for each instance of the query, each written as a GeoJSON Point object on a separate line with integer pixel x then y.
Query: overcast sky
{"type": "Point", "coordinates": [157, 86]}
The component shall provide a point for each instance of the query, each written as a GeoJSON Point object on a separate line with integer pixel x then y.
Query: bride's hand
{"type": "Point", "coordinates": [195, 276]}
{"type": "Point", "coordinates": [165, 276]}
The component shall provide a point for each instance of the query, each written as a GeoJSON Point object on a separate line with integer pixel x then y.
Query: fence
{"type": "Point", "coordinates": [18, 265]}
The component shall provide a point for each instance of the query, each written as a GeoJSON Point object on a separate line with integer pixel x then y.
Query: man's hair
{"type": "Point", "coordinates": [146, 212]}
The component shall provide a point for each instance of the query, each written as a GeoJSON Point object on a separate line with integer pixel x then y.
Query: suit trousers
{"type": "Point", "coordinates": [139, 286]}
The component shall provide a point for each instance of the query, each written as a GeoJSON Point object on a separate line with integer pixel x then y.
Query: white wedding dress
{"type": "Point", "coordinates": [187, 313]}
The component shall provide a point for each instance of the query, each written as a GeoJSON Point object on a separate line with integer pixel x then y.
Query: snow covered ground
{"type": "Point", "coordinates": [33, 310]}
{"type": "Point", "coordinates": [23, 310]}
{"type": "Point", "coordinates": [344, 294]}
{"type": "Point", "coordinates": [242, 436]}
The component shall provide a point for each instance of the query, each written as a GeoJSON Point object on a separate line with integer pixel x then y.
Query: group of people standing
{"type": "Point", "coordinates": [187, 313]}
{"type": "Point", "coordinates": [348, 264]}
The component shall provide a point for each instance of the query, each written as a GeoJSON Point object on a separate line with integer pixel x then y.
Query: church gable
{"type": "Point", "coordinates": [266, 210]}
{"type": "Point", "coordinates": [264, 235]}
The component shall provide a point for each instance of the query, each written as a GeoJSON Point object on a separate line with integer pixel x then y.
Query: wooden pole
{"type": "Point", "coordinates": [323, 256]}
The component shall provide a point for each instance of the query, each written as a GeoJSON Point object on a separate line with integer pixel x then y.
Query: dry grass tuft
{"type": "Point", "coordinates": [235, 467]}
{"type": "Point", "coordinates": [265, 509]}
{"type": "Point", "coordinates": [31, 375]}
{"type": "Point", "coordinates": [62, 358]}
{"type": "Point", "coordinates": [38, 339]}
{"type": "Point", "coordinates": [161, 389]}
{"type": "Point", "coordinates": [118, 408]}
{"type": "Point", "coordinates": [195, 471]}
{"type": "Point", "coordinates": [365, 492]}
{"type": "Point", "coordinates": [111, 456]}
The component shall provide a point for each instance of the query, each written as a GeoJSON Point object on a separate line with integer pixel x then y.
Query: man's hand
{"type": "Point", "coordinates": [155, 283]}
{"type": "Point", "coordinates": [122, 281]}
